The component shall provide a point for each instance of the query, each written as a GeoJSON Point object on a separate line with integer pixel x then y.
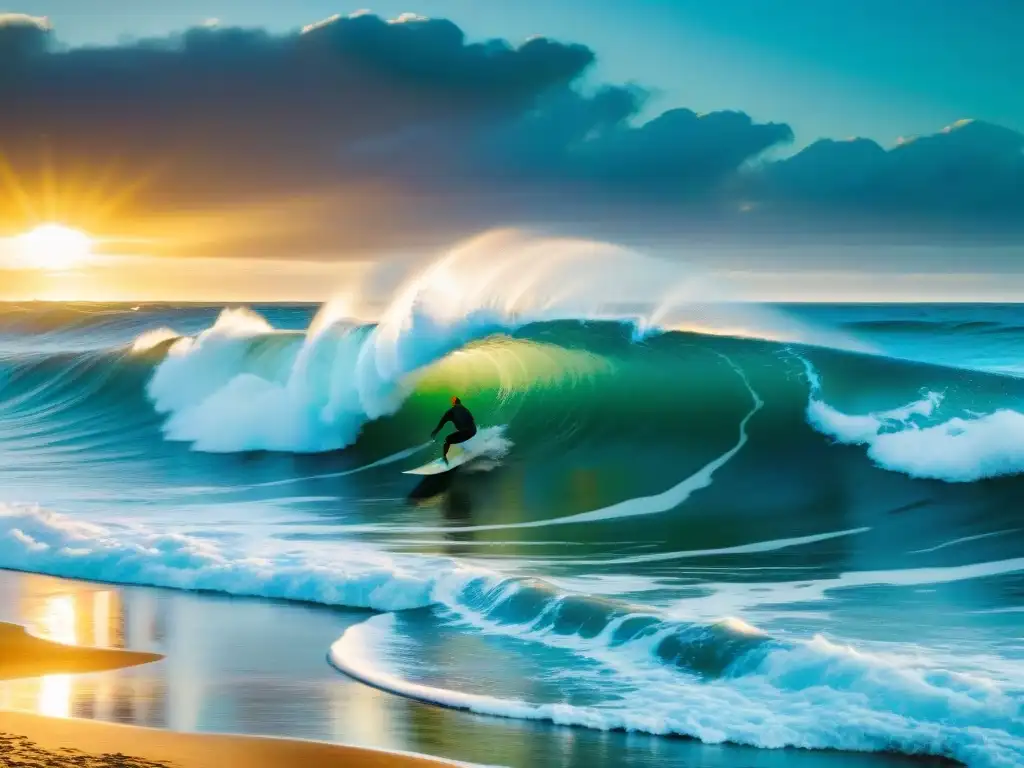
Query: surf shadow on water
{"type": "Point", "coordinates": [444, 491]}
{"type": "Point", "coordinates": [432, 486]}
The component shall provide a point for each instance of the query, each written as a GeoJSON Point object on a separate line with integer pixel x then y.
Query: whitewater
{"type": "Point", "coordinates": [773, 526]}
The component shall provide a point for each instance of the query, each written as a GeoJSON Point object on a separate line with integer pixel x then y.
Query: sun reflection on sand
{"type": "Point", "coordinates": [58, 619]}
{"type": "Point", "coordinates": [101, 624]}
{"type": "Point", "coordinates": [76, 613]}
{"type": "Point", "coordinates": [55, 696]}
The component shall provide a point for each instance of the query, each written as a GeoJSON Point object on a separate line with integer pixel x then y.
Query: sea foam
{"type": "Point", "coordinates": [41, 541]}
{"type": "Point", "coordinates": [957, 449]}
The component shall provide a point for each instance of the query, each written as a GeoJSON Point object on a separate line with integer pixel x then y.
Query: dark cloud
{"type": "Point", "coordinates": [588, 144]}
{"type": "Point", "coordinates": [229, 114]}
{"type": "Point", "coordinates": [360, 133]}
{"type": "Point", "coordinates": [970, 170]}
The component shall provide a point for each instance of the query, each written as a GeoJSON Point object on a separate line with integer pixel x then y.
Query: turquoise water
{"type": "Point", "coordinates": [771, 543]}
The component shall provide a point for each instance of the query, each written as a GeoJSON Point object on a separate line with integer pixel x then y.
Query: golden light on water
{"type": "Point", "coordinates": [59, 620]}
{"type": "Point", "coordinates": [55, 696]}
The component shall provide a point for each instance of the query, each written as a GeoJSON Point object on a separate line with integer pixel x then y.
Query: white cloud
{"type": "Point", "coordinates": [407, 18]}
{"type": "Point", "coordinates": [24, 20]}
{"type": "Point", "coordinates": [322, 23]}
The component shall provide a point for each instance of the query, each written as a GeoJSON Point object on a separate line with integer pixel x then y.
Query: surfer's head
{"type": "Point", "coordinates": [455, 400]}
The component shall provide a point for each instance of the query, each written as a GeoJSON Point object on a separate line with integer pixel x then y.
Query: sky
{"type": "Point", "coordinates": [782, 143]}
{"type": "Point", "coordinates": [829, 68]}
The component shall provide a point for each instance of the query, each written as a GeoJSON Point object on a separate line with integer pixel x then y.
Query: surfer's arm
{"type": "Point", "coordinates": [444, 420]}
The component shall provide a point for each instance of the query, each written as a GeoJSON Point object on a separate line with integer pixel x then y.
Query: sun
{"type": "Point", "coordinates": [54, 247]}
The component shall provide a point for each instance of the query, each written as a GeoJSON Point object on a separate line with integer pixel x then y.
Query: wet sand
{"type": "Point", "coordinates": [24, 655]}
{"type": "Point", "coordinates": [46, 742]}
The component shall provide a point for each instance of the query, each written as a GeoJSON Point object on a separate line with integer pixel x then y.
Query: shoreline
{"type": "Point", "coordinates": [59, 742]}
{"type": "Point", "coordinates": [262, 677]}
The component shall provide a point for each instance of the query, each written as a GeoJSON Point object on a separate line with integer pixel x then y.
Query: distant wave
{"type": "Point", "coordinates": [932, 327]}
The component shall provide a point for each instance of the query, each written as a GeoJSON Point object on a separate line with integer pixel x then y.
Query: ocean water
{"type": "Point", "coordinates": [780, 527]}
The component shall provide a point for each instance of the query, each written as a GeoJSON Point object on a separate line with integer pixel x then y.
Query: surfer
{"type": "Point", "coordinates": [462, 420]}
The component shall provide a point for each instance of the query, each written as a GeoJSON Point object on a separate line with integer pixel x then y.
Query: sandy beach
{"type": "Point", "coordinates": [56, 742]}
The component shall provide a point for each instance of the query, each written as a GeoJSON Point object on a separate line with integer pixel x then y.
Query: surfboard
{"type": "Point", "coordinates": [457, 456]}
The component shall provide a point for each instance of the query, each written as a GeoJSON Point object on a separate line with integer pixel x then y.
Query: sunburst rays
{"type": "Point", "coordinates": [86, 194]}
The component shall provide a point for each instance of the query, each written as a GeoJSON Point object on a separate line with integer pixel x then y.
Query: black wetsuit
{"type": "Point", "coordinates": [462, 420]}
